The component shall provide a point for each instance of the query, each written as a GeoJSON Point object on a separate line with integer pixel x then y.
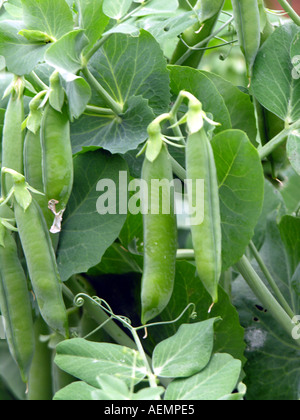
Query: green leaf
{"type": "Point", "coordinates": [79, 391]}
{"type": "Point", "coordinates": [21, 55]}
{"type": "Point", "coordinates": [188, 288]}
{"type": "Point", "coordinates": [78, 92]}
{"type": "Point", "coordinates": [116, 9]}
{"type": "Point", "coordinates": [217, 380]}
{"type": "Point", "coordinates": [158, 7]}
{"type": "Point", "coordinates": [272, 370]}
{"type": "Point", "coordinates": [86, 234]}
{"type": "Point", "coordinates": [290, 190]}
{"type": "Point", "coordinates": [273, 83]}
{"type": "Point", "coordinates": [289, 227]}
{"type": "Point", "coordinates": [73, 42]}
{"type": "Point", "coordinates": [92, 19]}
{"type": "Point", "coordinates": [187, 352]}
{"type": "Point", "coordinates": [241, 186]}
{"type": "Point", "coordinates": [114, 387]}
{"type": "Point", "coordinates": [54, 17]}
{"type": "Point", "coordinates": [235, 99]}
{"type": "Point", "coordinates": [115, 134]}
{"type": "Point", "coordinates": [293, 150]}
{"type": "Point", "coordinates": [197, 83]}
{"type": "Point", "coordinates": [131, 66]}
{"type": "Point", "coordinates": [148, 394]}
{"type": "Point", "coordinates": [117, 260]}
{"type": "Point", "coordinates": [88, 361]}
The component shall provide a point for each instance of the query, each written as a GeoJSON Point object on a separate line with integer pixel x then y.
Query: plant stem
{"type": "Point", "coordinates": [270, 280]}
{"type": "Point", "coordinates": [38, 81]}
{"type": "Point", "coordinates": [178, 169]}
{"type": "Point", "coordinates": [185, 56]}
{"type": "Point", "coordinates": [290, 11]}
{"type": "Point", "coordinates": [265, 296]}
{"type": "Point", "coordinates": [185, 254]}
{"type": "Point", "coordinates": [277, 141]}
{"type": "Point", "coordinates": [96, 110]}
{"type": "Point", "coordinates": [115, 106]}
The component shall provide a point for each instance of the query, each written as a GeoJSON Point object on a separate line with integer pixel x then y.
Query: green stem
{"type": "Point", "coordinates": [270, 280]}
{"type": "Point", "coordinates": [265, 296]}
{"type": "Point", "coordinates": [185, 254]}
{"type": "Point", "coordinates": [96, 110]}
{"type": "Point", "coordinates": [277, 141]}
{"type": "Point", "coordinates": [115, 106]}
{"type": "Point", "coordinates": [38, 81]}
{"type": "Point", "coordinates": [178, 169]}
{"type": "Point", "coordinates": [290, 11]}
{"type": "Point", "coordinates": [151, 376]}
{"type": "Point", "coordinates": [204, 42]}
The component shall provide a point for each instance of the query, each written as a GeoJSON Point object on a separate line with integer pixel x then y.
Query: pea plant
{"type": "Point", "coordinates": [150, 198]}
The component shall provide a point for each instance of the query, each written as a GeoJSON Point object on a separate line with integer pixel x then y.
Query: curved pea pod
{"type": "Point", "coordinates": [160, 238]}
{"type": "Point", "coordinates": [16, 306]}
{"type": "Point", "coordinates": [247, 18]}
{"type": "Point", "coordinates": [206, 233]}
{"type": "Point", "coordinates": [42, 267]}
{"type": "Point", "coordinates": [13, 136]}
{"type": "Point", "coordinates": [57, 156]}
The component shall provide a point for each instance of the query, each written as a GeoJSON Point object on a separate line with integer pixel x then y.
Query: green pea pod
{"type": "Point", "coordinates": [247, 18]}
{"type": "Point", "coordinates": [40, 375]}
{"type": "Point", "coordinates": [57, 156]}
{"type": "Point", "coordinates": [13, 136]}
{"type": "Point", "coordinates": [34, 171]}
{"type": "Point", "coordinates": [15, 306]}
{"type": "Point", "coordinates": [42, 267]}
{"type": "Point", "coordinates": [209, 13]}
{"type": "Point", "coordinates": [206, 234]}
{"type": "Point", "coordinates": [160, 239]}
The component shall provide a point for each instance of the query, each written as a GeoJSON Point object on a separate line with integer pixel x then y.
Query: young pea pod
{"type": "Point", "coordinates": [34, 171]}
{"type": "Point", "coordinates": [13, 136]}
{"type": "Point", "coordinates": [247, 18]}
{"type": "Point", "coordinates": [42, 267]}
{"type": "Point", "coordinates": [15, 306]}
{"type": "Point", "coordinates": [160, 237]}
{"type": "Point", "coordinates": [57, 156]}
{"type": "Point", "coordinates": [206, 234]}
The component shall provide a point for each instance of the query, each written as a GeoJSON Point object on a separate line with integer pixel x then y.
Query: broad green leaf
{"type": "Point", "coordinates": [272, 370]}
{"type": "Point", "coordinates": [273, 83]}
{"type": "Point", "coordinates": [73, 42]}
{"type": "Point", "coordinates": [21, 55]}
{"type": "Point", "coordinates": [116, 9]}
{"type": "Point", "coordinates": [87, 361]}
{"type": "Point", "coordinates": [293, 150]}
{"type": "Point", "coordinates": [272, 201]}
{"type": "Point", "coordinates": [117, 260]}
{"type": "Point", "coordinates": [295, 55]}
{"type": "Point", "coordinates": [148, 394]}
{"type": "Point", "coordinates": [241, 186]}
{"type": "Point", "coordinates": [86, 234]}
{"type": "Point", "coordinates": [290, 190]}
{"type": "Point", "coordinates": [115, 134]}
{"type": "Point", "coordinates": [158, 7]}
{"type": "Point", "coordinates": [185, 353]}
{"type": "Point", "coordinates": [235, 99]}
{"type": "Point", "coordinates": [78, 92]}
{"type": "Point", "coordinates": [124, 66]}
{"type": "Point", "coordinates": [196, 82]}
{"type": "Point", "coordinates": [217, 380]}
{"type": "Point", "coordinates": [114, 387]}
{"type": "Point", "coordinates": [289, 227]}
{"type": "Point", "coordinates": [229, 336]}
{"type": "Point", "coordinates": [79, 391]}
{"type": "Point", "coordinates": [92, 19]}
{"type": "Point", "coordinates": [54, 17]}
